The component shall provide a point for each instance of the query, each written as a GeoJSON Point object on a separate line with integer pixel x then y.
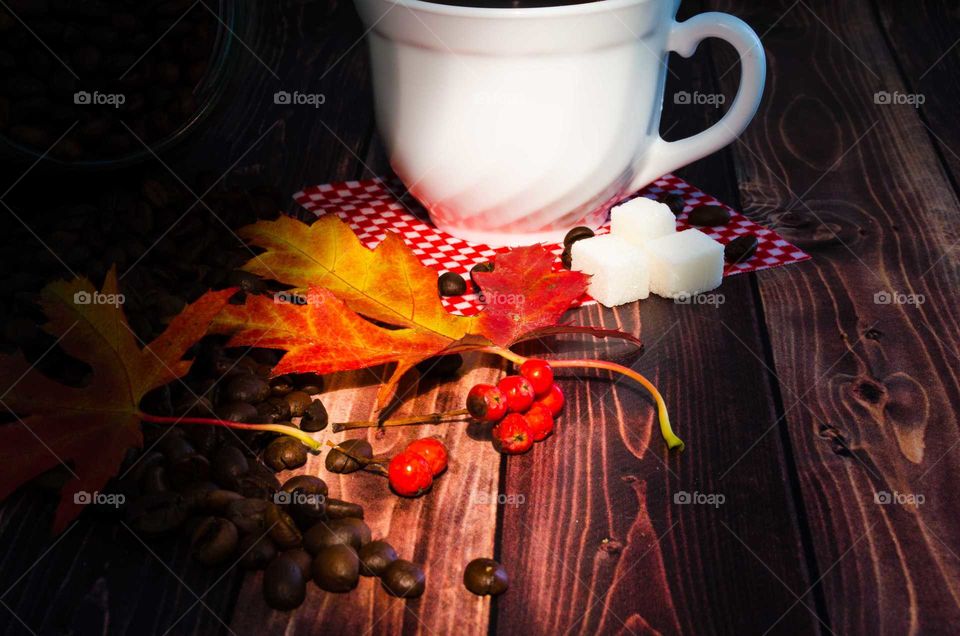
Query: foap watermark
{"type": "Point", "coordinates": [499, 499]}
{"type": "Point", "coordinates": [298, 498]}
{"type": "Point", "coordinates": [499, 298]}
{"type": "Point", "coordinates": [696, 98]}
{"type": "Point", "coordinates": [700, 299]}
{"type": "Point", "coordinates": [896, 98]}
{"type": "Point", "coordinates": [884, 297]}
{"type": "Point", "coordinates": [296, 98]}
{"type": "Point", "coordinates": [98, 298]}
{"type": "Point", "coordinates": [697, 498]}
{"type": "Point", "coordinates": [96, 98]}
{"type": "Point", "coordinates": [293, 298]}
{"type": "Point", "coordinates": [886, 498]}
{"type": "Point", "coordinates": [84, 498]}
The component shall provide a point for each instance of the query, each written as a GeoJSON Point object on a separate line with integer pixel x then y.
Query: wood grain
{"type": "Point", "coordinates": [870, 388]}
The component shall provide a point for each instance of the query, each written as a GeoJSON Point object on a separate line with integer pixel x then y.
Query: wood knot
{"type": "Point", "coordinates": [611, 546]}
{"type": "Point", "coordinates": [838, 441]}
{"type": "Point", "coordinates": [870, 392]}
{"type": "Point", "coordinates": [873, 334]}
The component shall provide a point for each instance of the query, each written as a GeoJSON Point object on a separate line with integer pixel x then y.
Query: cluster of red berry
{"type": "Point", "coordinates": [523, 406]}
{"type": "Point", "coordinates": [411, 472]}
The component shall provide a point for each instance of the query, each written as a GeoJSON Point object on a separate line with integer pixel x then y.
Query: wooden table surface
{"type": "Point", "coordinates": [802, 399]}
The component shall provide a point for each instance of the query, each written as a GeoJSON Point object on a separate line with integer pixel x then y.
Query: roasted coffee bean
{"type": "Point", "coordinates": [709, 216]}
{"type": "Point", "coordinates": [338, 461]}
{"type": "Point", "coordinates": [741, 249]}
{"type": "Point", "coordinates": [675, 202]}
{"type": "Point", "coordinates": [441, 366]}
{"type": "Point", "coordinates": [196, 494]}
{"type": "Point", "coordinates": [285, 453]}
{"type": "Point", "coordinates": [229, 465]}
{"type": "Point", "coordinates": [214, 541]}
{"type": "Point", "coordinates": [283, 529]}
{"type": "Point", "coordinates": [204, 438]}
{"type": "Point", "coordinates": [298, 401]}
{"type": "Point", "coordinates": [281, 385]}
{"type": "Point", "coordinates": [485, 576]}
{"type": "Point", "coordinates": [157, 513]}
{"type": "Point", "coordinates": [336, 568]}
{"type": "Point", "coordinates": [188, 470]}
{"type": "Point", "coordinates": [451, 284]}
{"type": "Point", "coordinates": [315, 417]}
{"type": "Point", "coordinates": [577, 234]}
{"type": "Point", "coordinates": [155, 480]}
{"type": "Point", "coordinates": [302, 558]}
{"type": "Point", "coordinates": [257, 551]}
{"type": "Point", "coordinates": [375, 557]}
{"type": "Point", "coordinates": [349, 531]}
{"type": "Point", "coordinates": [268, 413]}
{"type": "Point", "coordinates": [174, 446]}
{"type": "Point", "coordinates": [259, 483]}
{"type": "Point", "coordinates": [339, 509]}
{"type": "Point", "coordinates": [246, 388]}
{"type": "Point", "coordinates": [404, 579]}
{"type": "Point", "coordinates": [566, 258]}
{"type": "Point", "coordinates": [281, 406]}
{"type": "Point", "coordinates": [484, 267]}
{"type": "Point", "coordinates": [284, 584]}
{"type": "Point", "coordinates": [247, 282]}
{"type": "Point", "coordinates": [306, 483]}
{"type": "Point", "coordinates": [305, 381]}
{"type": "Point", "coordinates": [217, 501]}
{"type": "Point", "coordinates": [237, 412]}
{"type": "Point", "coordinates": [249, 515]}
{"type": "Point", "coordinates": [306, 508]}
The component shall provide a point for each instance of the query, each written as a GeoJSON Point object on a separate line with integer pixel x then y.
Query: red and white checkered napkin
{"type": "Point", "coordinates": [376, 206]}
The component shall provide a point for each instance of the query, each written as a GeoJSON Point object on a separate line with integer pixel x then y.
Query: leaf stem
{"type": "Point", "coordinates": [430, 418]}
{"type": "Point", "coordinates": [673, 442]}
{"type": "Point", "coordinates": [291, 431]}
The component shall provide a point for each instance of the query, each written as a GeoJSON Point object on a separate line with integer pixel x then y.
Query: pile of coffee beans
{"type": "Point", "coordinates": [97, 66]}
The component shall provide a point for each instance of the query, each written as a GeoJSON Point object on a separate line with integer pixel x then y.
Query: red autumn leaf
{"type": "Point", "coordinates": [89, 429]}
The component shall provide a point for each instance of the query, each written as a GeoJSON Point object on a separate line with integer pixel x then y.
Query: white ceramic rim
{"type": "Point", "coordinates": [583, 8]}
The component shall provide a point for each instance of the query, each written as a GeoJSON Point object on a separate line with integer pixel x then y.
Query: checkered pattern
{"type": "Point", "coordinates": [376, 206]}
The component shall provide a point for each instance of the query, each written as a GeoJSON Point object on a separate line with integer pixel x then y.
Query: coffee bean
{"type": "Point", "coordinates": [577, 234]}
{"type": "Point", "coordinates": [260, 483]}
{"type": "Point", "coordinates": [246, 388]}
{"type": "Point", "coordinates": [338, 461]}
{"type": "Point", "coordinates": [566, 258]}
{"type": "Point", "coordinates": [336, 568]}
{"type": "Point", "coordinates": [309, 383]}
{"type": "Point", "coordinates": [485, 576]}
{"type": "Point", "coordinates": [214, 541]}
{"type": "Point", "coordinates": [298, 401]}
{"type": "Point", "coordinates": [257, 551]}
{"type": "Point", "coordinates": [375, 557]}
{"type": "Point", "coordinates": [281, 385]}
{"type": "Point", "coordinates": [249, 515]}
{"type": "Point", "coordinates": [217, 501]}
{"type": "Point", "coordinates": [349, 531]}
{"type": "Point", "coordinates": [306, 483]}
{"type": "Point", "coordinates": [404, 579]}
{"type": "Point", "coordinates": [157, 513]}
{"type": "Point", "coordinates": [484, 267]}
{"type": "Point", "coordinates": [675, 202]}
{"type": "Point", "coordinates": [189, 469]}
{"type": "Point", "coordinates": [284, 584]}
{"type": "Point", "coordinates": [709, 216]}
{"type": "Point", "coordinates": [741, 249]}
{"type": "Point", "coordinates": [269, 413]}
{"type": "Point", "coordinates": [339, 509]}
{"type": "Point", "coordinates": [451, 284]}
{"type": "Point", "coordinates": [229, 465]}
{"type": "Point", "coordinates": [302, 558]}
{"type": "Point", "coordinates": [315, 417]}
{"type": "Point", "coordinates": [237, 412]}
{"type": "Point", "coordinates": [283, 529]}
{"type": "Point", "coordinates": [285, 453]}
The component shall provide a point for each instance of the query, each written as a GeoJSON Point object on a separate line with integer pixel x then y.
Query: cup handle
{"type": "Point", "coordinates": [667, 156]}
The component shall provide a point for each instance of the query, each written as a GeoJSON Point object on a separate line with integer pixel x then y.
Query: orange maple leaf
{"type": "Point", "coordinates": [89, 429]}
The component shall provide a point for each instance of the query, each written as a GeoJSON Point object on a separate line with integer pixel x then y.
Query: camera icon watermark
{"type": "Point", "coordinates": [298, 497]}
{"type": "Point", "coordinates": [885, 297]}
{"type": "Point", "coordinates": [498, 499]}
{"type": "Point", "coordinates": [684, 298]}
{"type": "Point", "coordinates": [293, 298]}
{"type": "Point", "coordinates": [85, 498]}
{"type": "Point", "coordinates": [296, 98]}
{"type": "Point", "coordinates": [696, 98]}
{"type": "Point", "coordinates": [896, 98]}
{"type": "Point", "coordinates": [501, 299]}
{"type": "Point", "coordinates": [697, 498]}
{"type": "Point", "coordinates": [886, 498]}
{"type": "Point", "coordinates": [98, 298]}
{"type": "Point", "coordinates": [96, 98]}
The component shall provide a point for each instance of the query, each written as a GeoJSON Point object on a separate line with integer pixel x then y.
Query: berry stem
{"type": "Point", "coordinates": [430, 418]}
{"type": "Point", "coordinates": [291, 431]}
{"type": "Point", "coordinates": [673, 442]}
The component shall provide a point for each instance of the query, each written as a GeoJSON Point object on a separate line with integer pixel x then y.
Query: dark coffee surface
{"type": "Point", "coordinates": [510, 4]}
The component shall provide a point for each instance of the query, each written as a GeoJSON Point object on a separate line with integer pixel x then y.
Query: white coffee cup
{"type": "Point", "coordinates": [512, 126]}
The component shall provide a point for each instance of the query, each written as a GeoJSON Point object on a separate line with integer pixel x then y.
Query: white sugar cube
{"type": "Point", "coordinates": [641, 219]}
{"type": "Point", "coordinates": [684, 263]}
{"type": "Point", "coordinates": [618, 269]}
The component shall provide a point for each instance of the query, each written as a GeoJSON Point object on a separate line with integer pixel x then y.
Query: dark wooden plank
{"type": "Point", "coordinates": [870, 387]}
{"type": "Point", "coordinates": [601, 546]}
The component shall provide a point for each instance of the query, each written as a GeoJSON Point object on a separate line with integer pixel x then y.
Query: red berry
{"type": "Point", "coordinates": [540, 421]}
{"type": "Point", "coordinates": [552, 400]}
{"type": "Point", "coordinates": [409, 474]}
{"type": "Point", "coordinates": [539, 374]}
{"type": "Point", "coordinates": [518, 392]}
{"type": "Point", "coordinates": [513, 435]}
{"type": "Point", "coordinates": [432, 450]}
{"type": "Point", "coordinates": [486, 402]}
